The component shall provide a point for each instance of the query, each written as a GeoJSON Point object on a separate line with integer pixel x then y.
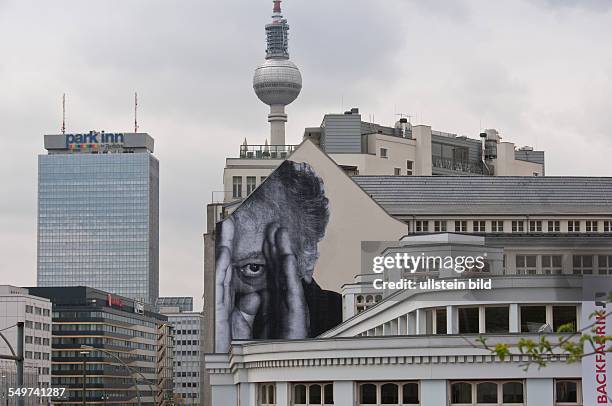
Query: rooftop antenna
{"type": "Point", "coordinates": [135, 112]}
{"type": "Point", "coordinates": [64, 114]}
{"type": "Point", "coordinates": [404, 115]}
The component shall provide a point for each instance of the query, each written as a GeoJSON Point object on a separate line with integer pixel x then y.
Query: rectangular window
{"type": "Point", "coordinates": [607, 226]}
{"type": "Point", "coordinates": [565, 317]}
{"type": "Point", "coordinates": [468, 320]}
{"type": "Point", "coordinates": [497, 226]}
{"type": "Point", "coordinates": [237, 187]}
{"type": "Point", "coordinates": [573, 226]}
{"type": "Point", "coordinates": [532, 318]}
{"type": "Point", "coordinates": [583, 264]}
{"type": "Point", "coordinates": [568, 392]}
{"type": "Point", "coordinates": [479, 226]}
{"type": "Point", "coordinates": [497, 319]}
{"type": "Point", "coordinates": [383, 152]}
{"type": "Point", "coordinates": [535, 226]}
{"type": "Point", "coordinates": [409, 166]}
{"type": "Point", "coordinates": [526, 264]}
{"type": "Point", "coordinates": [38, 311]}
{"type": "Point", "coordinates": [440, 226]}
{"type": "Point", "coordinates": [518, 226]}
{"type": "Point", "coordinates": [261, 180]}
{"type": "Point", "coordinates": [604, 264]}
{"type": "Point", "coordinates": [441, 321]}
{"type": "Point", "coordinates": [251, 184]}
{"type": "Point", "coordinates": [591, 226]}
{"type": "Point", "coordinates": [461, 226]}
{"type": "Point", "coordinates": [422, 226]}
{"type": "Point", "coordinates": [397, 171]}
{"type": "Point", "coordinates": [554, 226]}
{"type": "Point", "coordinates": [29, 309]}
{"type": "Point", "coordinates": [552, 264]}
{"type": "Point", "coordinates": [28, 339]}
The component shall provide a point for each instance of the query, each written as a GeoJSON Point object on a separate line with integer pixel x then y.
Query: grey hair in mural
{"type": "Point", "coordinates": [266, 251]}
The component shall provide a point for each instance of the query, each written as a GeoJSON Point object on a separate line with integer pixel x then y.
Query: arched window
{"type": "Point", "coordinates": [513, 392]}
{"type": "Point", "coordinates": [486, 392]}
{"type": "Point", "coordinates": [299, 394]}
{"type": "Point", "coordinates": [314, 394]}
{"type": "Point", "coordinates": [410, 394]}
{"type": "Point", "coordinates": [367, 394]}
{"type": "Point", "coordinates": [389, 394]}
{"type": "Point", "coordinates": [359, 299]}
{"type": "Point", "coordinates": [369, 299]}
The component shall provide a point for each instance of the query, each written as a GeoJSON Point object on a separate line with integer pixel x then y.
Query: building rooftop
{"type": "Point", "coordinates": [184, 303]}
{"type": "Point", "coordinates": [465, 195]}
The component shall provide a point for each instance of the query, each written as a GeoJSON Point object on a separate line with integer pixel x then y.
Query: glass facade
{"type": "Point", "coordinates": [98, 222]}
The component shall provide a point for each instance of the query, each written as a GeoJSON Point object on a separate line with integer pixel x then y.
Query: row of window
{"type": "Point", "coordinates": [186, 342]}
{"type": "Point", "coordinates": [461, 393]}
{"type": "Point", "coordinates": [251, 184]}
{"type": "Point", "coordinates": [553, 264]}
{"type": "Point", "coordinates": [495, 320]}
{"type": "Point", "coordinates": [184, 332]}
{"type": "Point", "coordinates": [36, 355]}
{"type": "Point", "coordinates": [37, 310]}
{"type": "Point", "coordinates": [37, 340]}
{"type": "Point", "coordinates": [517, 226]}
{"type": "Point", "coordinates": [186, 353]}
{"type": "Point", "coordinates": [187, 374]}
{"type": "Point", "coordinates": [36, 325]}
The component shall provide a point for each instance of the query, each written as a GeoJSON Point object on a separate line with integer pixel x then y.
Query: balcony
{"type": "Point", "coordinates": [450, 164]}
{"type": "Point", "coordinates": [266, 151]}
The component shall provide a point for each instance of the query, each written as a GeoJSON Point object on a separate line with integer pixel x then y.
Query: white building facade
{"type": "Point", "coordinates": [18, 306]}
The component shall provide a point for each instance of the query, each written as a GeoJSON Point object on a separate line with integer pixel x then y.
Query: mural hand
{"type": "Point", "coordinates": [293, 307]}
{"type": "Point", "coordinates": [224, 294]}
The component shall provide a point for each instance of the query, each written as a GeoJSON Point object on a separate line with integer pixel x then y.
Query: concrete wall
{"type": "Point", "coordinates": [507, 165]}
{"type": "Point", "coordinates": [422, 134]}
{"type": "Point", "coordinates": [348, 226]}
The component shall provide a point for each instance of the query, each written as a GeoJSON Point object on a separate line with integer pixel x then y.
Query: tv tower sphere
{"type": "Point", "coordinates": [277, 82]}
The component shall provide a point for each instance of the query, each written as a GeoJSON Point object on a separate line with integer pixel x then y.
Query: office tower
{"type": "Point", "coordinates": [98, 213]}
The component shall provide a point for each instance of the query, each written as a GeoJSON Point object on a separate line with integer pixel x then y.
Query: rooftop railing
{"type": "Point", "coordinates": [266, 151]}
{"type": "Point", "coordinates": [456, 165]}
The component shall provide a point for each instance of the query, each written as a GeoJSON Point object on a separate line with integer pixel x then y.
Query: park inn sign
{"type": "Point", "coordinates": [95, 138]}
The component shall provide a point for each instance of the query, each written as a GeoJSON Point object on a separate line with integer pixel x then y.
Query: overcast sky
{"type": "Point", "coordinates": [540, 71]}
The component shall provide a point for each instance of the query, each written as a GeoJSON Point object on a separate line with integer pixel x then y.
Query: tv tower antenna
{"type": "Point", "coordinates": [135, 112]}
{"type": "Point", "coordinates": [64, 114]}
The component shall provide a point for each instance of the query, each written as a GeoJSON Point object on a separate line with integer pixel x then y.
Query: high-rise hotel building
{"type": "Point", "coordinates": [98, 213]}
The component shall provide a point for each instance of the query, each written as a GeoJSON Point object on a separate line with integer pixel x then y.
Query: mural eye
{"type": "Point", "coordinates": [252, 269]}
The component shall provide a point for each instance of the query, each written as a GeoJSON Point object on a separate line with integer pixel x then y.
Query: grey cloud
{"type": "Point", "coordinates": [594, 5]}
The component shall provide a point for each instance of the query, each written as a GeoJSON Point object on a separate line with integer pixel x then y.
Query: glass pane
{"type": "Point", "coordinates": [389, 394]}
{"type": "Point", "coordinates": [497, 319]}
{"type": "Point", "coordinates": [486, 392]}
{"type": "Point", "coordinates": [563, 315]}
{"type": "Point", "coordinates": [468, 320]}
{"type": "Point", "coordinates": [299, 394]}
{"type": "Point", "coordinates": [441, 321]}
{"type": "Point", "coordinates": [567, 391]}
{"type": "Point", "coordinates": [314, 392]}
{"type": "Point", "coordinates": [513, 392]}
{"type": "Point", "coordinates": [410, 394]}
{"type": "Point", "coordinates": [532, 318]}
{"type": "Point", "coordinates": [367, 394]}
{"type": "Point", "coordinates": [264, 394]}
{"type": "Point", "coordinates": [271, 394]}
{"type": "Point", "coordinates": [461, 392]}
{"type": "Point", "coordinates": [329, 394]}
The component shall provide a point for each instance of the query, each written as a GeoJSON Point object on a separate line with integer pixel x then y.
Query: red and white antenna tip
{"type": "Point", "coordinates": [277, 6]}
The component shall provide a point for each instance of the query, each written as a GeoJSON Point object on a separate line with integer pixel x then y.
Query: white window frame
{"type": "Point", "coordinates": [552, 269]}
{"type": "Point", "coordinates": [578, 390]}
{"type": "Point", "coordinates": [526, 269]}
{"type": "Point", "coordinates": [440, 226]}
{"type": "Point", "coordinates": [518, 226]}
{"type": "Point", "coordinates": [308, 385]}
{"type": "Point", "coordinates": [260, 399]}
{"type": "Point", "coordinates": [421, 226]}
{"type": "Point", "coordinates": [384, 153]}
{"type": "Point", "coordinates": [236, 187]}
{"type": "Point", "coordinates": [554, 226]}
{"type": "Point", "coordinates": [409, 167]}
{"type": "Point", "coordinates": [497, 226]}
{"type": "Point", "coordinates": [591, 226]}
{"type": "Point", "coordinates": [251, 184]}
{"type": "Point", "coordinates": [500, 392]}
{"type": "Point", "coordinates": [535, 226]}
{"type": "Point", "coordinates": [379, 385]}
{"type": "Point", "coordinates": [607, 226]}
{"type": "Point", "coordinates": [461, 226]}
{"type": "Point", "coordinates": [479, 226]}
{"type": "Point", "coordinates": [573, 226]}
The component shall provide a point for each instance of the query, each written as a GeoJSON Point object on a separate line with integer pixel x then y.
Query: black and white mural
{"type": "Point", "coordinates": [266, 252]}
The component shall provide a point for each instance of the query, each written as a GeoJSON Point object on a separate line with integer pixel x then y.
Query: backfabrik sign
{"type": "Point", "coordinates": [94, 138]}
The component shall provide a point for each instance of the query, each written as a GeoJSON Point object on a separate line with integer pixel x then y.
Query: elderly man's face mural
{"type": "Point", "coordinates": [266, 253]}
